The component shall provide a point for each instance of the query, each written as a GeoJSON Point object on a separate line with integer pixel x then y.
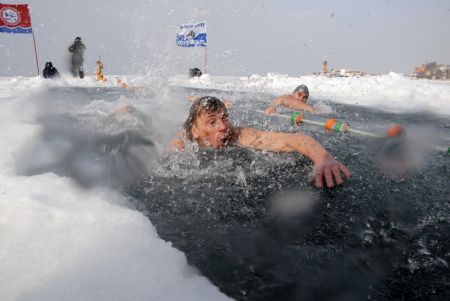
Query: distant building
{"type": "Point", "coordinates": [339, 72]}
{"type": "Point", "coordinates": [432, 70]}
{"type": "Point", "coordinates": [324, 67]}
{"type": "Point", "coordinates": [349, 73]}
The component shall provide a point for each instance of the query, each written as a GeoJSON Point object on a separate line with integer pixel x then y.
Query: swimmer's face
{"type": "Point", "coordinates": [300, 96]}
{"type": "Point", "coordinates": [212, 129]}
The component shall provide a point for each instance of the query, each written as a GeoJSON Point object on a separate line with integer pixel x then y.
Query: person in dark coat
{"type": "Point", "coordinates": [194, 72]}
{"type": "Point", "coordinates": [50, 71]}
{"type": "Point", "coordinates": [77, 50]}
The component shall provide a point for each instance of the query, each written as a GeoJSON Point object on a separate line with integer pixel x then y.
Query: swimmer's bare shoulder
{"type": "Point", "coordinates": [282, 100]}
{"type": "Point", "coordinates": [177, 143]}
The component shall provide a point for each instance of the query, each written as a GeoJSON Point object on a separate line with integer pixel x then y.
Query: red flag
{"type": "Point", "coordinates": [15, 18]}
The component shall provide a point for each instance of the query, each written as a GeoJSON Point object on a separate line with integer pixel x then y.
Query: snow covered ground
{"type": "Point", "coordinates": [62, 242]}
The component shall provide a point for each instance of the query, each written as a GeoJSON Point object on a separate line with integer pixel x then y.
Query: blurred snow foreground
{"type": "Point", "coordinates": [60, 241]}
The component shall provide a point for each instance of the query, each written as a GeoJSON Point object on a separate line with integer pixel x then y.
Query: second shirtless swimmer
{"type": "Point", "coordinates": [295, 101]}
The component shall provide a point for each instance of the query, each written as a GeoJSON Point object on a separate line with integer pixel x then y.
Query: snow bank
{"type": "Point", "coordinates": [392, 92]}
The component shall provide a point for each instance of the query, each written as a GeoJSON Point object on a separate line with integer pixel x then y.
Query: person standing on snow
{"type": "Point", "coordinates": [76, 63]}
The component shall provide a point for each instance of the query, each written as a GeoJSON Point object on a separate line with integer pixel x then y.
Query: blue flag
{"type": "Point", "coordinates": [192, 35]}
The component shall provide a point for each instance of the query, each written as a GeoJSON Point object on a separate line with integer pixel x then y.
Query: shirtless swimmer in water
{"type": "Point", "coordinates": [295, 101]}
{"type": "Point", "coordinates": [208, 125]}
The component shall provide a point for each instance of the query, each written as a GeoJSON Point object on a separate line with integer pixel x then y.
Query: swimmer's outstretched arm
{"type": "Point", "coordinates": [301, 106]}
{"type": "Point", "coordinates": [325, 166]}
{"type": "Point", "coordinates": [272, 108]}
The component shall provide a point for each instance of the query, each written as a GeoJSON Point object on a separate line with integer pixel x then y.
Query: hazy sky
{"type": "Point", "coordinates": [244, 37]}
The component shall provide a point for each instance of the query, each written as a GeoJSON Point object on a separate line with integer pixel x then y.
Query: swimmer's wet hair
{"type": "Point", "coordinates": [205, 104]}
{"type": "Point", "coordinates": [303, 89]}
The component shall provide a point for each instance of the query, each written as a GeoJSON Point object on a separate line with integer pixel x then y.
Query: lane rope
{"type": "Point", "coordinates": [330, 124]}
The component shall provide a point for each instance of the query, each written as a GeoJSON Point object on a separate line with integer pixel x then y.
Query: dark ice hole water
{"type": "Point", "coordinates": [373, 237]}
{"type": "Point", "coordinates": [377, 237]}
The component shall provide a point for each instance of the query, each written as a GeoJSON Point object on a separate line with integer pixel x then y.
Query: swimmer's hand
{"type": "Point", "coordinates": [126, 109]}
{"type": "Point", "coordinates": [192, 98]}
{"type": "Point", "coordinates": [313, 110]}
{"type": "Point", "coordinates": [331, 170]}
{"type": "Point", "coordinates": [270, 110]}
{"type": "Point", "coordinates": [227, 103]}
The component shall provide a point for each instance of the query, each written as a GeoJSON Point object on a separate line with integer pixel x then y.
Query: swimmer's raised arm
{"type": "Point", "coordinates": [324, 164]}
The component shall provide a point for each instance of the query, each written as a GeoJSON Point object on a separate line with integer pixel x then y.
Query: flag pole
{"type": "Point", "coordinates": [35, 53]}
{"type": "Point", "coordinates": [34, 43]}
{"type": "Point", "coordinates": [206, 59]}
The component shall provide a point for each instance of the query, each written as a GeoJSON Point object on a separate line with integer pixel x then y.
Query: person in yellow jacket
{"type": "Point", "coordinates": [99, 73]}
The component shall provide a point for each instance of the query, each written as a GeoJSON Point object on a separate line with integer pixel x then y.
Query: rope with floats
{"type": "Point", "coordinates": [333, 124]}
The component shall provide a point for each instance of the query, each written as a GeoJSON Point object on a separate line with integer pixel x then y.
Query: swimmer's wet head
{"type": "Point", "coordinates": [301, 93]}
{"type": "Point", "coordinates": [208, 123]}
